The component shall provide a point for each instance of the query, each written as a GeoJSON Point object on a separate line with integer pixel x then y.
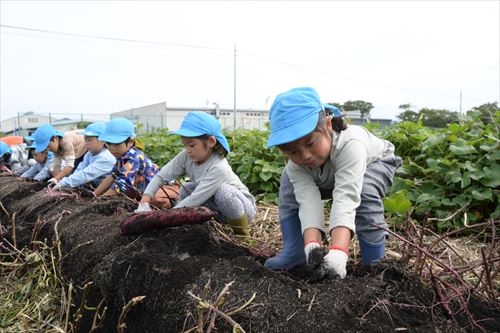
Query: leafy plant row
{"type": "Point", "coordinates": [444, 170]}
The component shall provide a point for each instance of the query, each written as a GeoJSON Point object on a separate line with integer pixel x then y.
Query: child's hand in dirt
{"type": "Point", "coordinates": [143, 207]}
{"type": "Point", "coordinates": [335, 263]}
{"type": "Point", "coordinates": [87, 193]}
{"type": "Point", "coordinates": [3, 168]}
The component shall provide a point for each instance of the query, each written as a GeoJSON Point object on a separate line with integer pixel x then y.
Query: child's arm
{"type": "Point", "coordinates": [56, 165]}
{"type": "Point", "coordinates": [308, 196]}
{"type": "Point", "coordinates": [63, 173]}
{"type": "Point", "coordinates": [88, 170]}
{"type": "Point", "coordinates": [104, 185]}
{"type": "Point", "coordinates": [170, 171]}
{"type": "Point", "coordinates": [44, 173]}
{"type": "Point", "coordinates": [32, 172]}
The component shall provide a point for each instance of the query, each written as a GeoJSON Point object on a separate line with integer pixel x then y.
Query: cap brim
{"type": "Point", "coordinates": [294, 132]}
{"type": "Point", "coordinates": [112, 138]}
{"type": "Point", "coordinates": [89, 133]}
{"type": "Point", "coordinates": [335, 111]}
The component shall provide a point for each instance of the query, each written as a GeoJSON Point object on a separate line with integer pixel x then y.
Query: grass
{"type": "Point", "coordinates": [34, 297]}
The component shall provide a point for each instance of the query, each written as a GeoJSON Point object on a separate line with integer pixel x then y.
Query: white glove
{"type": "Point", "coordinates": [57, 187]}
{"type": "Point", "coordinates": [143, 207]}
{"type": "Point", "coordinates": [309, 247]}
{"type": "Point", "coordinates": [335, 262]}
{"type": "Point", "coordinates": [53, 181]}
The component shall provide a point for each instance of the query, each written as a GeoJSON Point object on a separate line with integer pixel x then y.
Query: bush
{"type": "Point", "coordinates": [447, 169]}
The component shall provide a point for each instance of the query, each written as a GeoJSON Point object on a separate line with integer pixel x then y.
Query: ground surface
{"type": "Point", "coordinates": [165, 265]}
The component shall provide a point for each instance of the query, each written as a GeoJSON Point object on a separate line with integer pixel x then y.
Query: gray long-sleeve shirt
{"type": "Point", "coordinates": [207, 177]}
{"type": "Point", "coordinates": [352, 150]}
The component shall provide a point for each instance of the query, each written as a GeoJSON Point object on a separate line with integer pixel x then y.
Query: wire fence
{"type": "Point", "coordinates": [25, 124]}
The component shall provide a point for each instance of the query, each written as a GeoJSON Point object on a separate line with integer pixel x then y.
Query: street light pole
{"type": "Point", "coordinates": [234, 92]}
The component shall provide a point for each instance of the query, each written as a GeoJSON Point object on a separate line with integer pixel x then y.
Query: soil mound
{"type": "Point", "coordinates": [166, 265]}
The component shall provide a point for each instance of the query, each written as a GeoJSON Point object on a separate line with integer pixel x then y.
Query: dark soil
{"type": "Point", "coordinates": [164, 265]}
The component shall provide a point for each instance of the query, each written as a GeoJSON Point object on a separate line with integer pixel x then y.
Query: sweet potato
{"type": "Point", "coordinates": [142, 222]}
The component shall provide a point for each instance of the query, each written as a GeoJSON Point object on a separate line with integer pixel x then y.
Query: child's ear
{"type": "Point", "coordinates": [131, 143]}
{"type": "Point", "coordinates": [328, 124]}
{"type": "Point", "coordinates": [212, 141]}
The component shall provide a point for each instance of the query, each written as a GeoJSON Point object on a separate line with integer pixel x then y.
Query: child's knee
{"type": "Point", "coordinates": [373, 236]}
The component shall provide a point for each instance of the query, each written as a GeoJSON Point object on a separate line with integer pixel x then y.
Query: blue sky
{"type": "Point", "coordinates": [384, 52]}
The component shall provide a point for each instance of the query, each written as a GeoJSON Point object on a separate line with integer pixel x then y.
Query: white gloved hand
{"type": "Point", "coordinates": [309, 247]}
{"type": "Point", "coordinates": [53, 181]}
{"type": "Point", "coordinates": [335, 262]}
{"type": "Point", "coordinates": [57, 186]}
{"type": "Point", "coordinates": [143, 207]}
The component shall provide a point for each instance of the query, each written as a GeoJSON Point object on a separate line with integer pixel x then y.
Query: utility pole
{"type": "Point", "coordinates": [234, 92]}
{"type": "Point", "coordinates": [460, 101]}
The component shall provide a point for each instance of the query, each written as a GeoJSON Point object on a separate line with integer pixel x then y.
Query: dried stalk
{"type": "Point", "coordinates": [120, 327]}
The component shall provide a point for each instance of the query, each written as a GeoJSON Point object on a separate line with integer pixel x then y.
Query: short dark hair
{"type": "Point", "coordinates": [217, 148]}
{"type": "Point", "coordinates": [338, 122]}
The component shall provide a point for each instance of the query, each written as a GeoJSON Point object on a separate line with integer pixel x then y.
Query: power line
{"type": "Point", "coordinates": [163, 44]}
{"type": "Point", "coordinates": [127, 40]}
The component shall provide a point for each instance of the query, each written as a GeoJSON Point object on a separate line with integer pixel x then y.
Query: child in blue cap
{"type": "Point", "coordinates": [13, 158]}
{"type": "Point", "coordinates": [212, 181]}
{"type": "Point", "coordinates": [132, 171]}
{"type": "Point", "coordinates": [69, 147]}
{"type": "Point", "coordinates": [97, 163]}
{"type": "Point", "coordinates": [328, 159]}
{"type": "Point", "coordinates": [40, 170]}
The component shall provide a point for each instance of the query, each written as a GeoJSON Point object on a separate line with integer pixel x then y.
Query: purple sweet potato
{"type": "Point", "coordinates": [142, 222]}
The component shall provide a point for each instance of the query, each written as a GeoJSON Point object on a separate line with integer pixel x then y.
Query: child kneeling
{"type": "Point", "coordinates": [212, 181]}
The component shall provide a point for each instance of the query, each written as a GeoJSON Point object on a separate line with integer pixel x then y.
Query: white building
{"type": "Point", "coordinates": [160, 116]}
{"type": "Point", "coordinates": [26, 123]}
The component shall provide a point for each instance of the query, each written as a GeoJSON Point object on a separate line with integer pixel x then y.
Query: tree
{"type": "Point", "coordinates": [437, 117]}
{"type": "Point", "coordinates": [362, 106]}
{"type": "Point", "coordinates": [408, 114]}
{"type": "Point", "coordinates": [486, 111]}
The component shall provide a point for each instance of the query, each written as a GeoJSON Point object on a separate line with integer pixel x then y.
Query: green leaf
{"type": "Point", "coordinates": [265, 176]}
{"type": "Point", "coordinates": [485, 194]}
{"type": "Point", "coordinates": [397, 203]}
{"type": "Point", "coordinates": [460, 147]}
{"type": "Point", "coordinates": [433, 140]}
{"type": "Point", "coordinates": [426, 197]}
{"type": "Point", "coordinates": [491, 176]}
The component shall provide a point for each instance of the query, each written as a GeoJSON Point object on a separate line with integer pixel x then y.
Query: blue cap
{"type": "Point", "coordinates": [333, 109]}
{"type": "Point", "coordinates": [117, 131]}
{"type": "Point", "coordinates": [198, 123]}
{"type": "Point", "coordinates": [294, 114]}
{"type": "Point", "coordinates": [42, 136]}
{"type": "Point", "coordinates": [94, 129]}
{"type": "Point", "coordinates": [4, 148]}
